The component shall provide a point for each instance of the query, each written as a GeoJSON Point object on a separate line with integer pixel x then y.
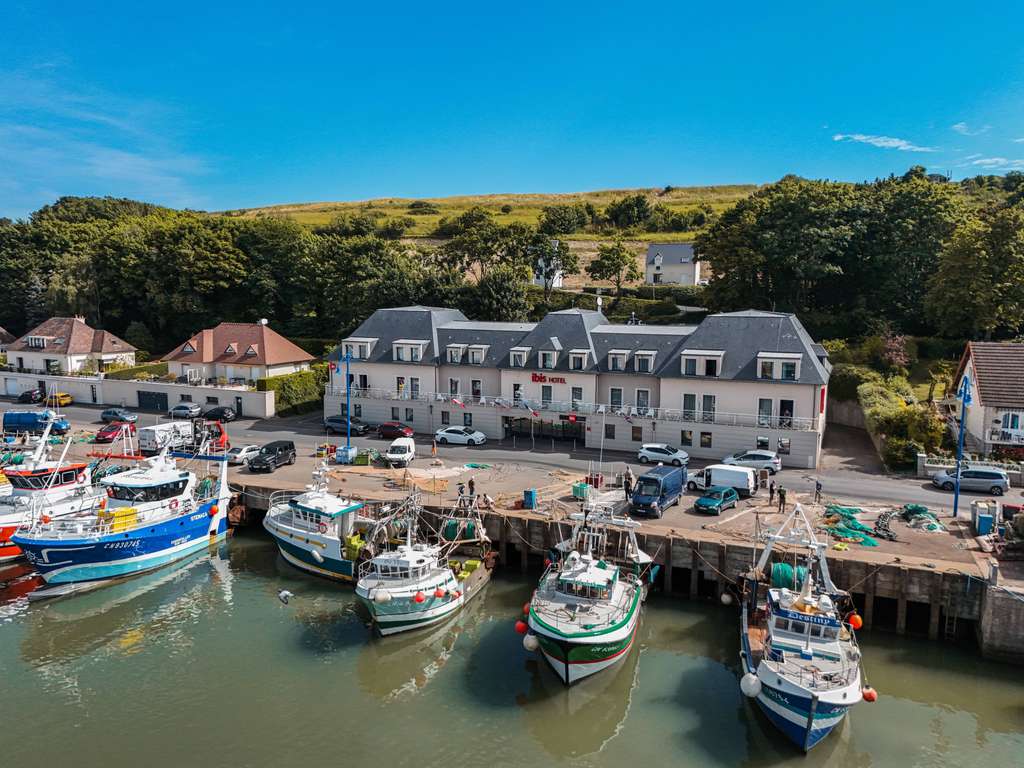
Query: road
{"type": "Point", "coordinates": [307, 431]}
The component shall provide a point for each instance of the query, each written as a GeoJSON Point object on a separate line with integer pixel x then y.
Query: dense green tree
{"type": "Point", "coordinates": [615, 263]}
{"type": "Point", "coordinates": [140, 337]}
{"type": "Point", "coordinates": [630, 211]}
{"type": "Point", "coordinates": [548, 258]}
{"type": "Point", "coordinates": [500, 295]}
{"type": "Point", "coordinates": [562, 219]}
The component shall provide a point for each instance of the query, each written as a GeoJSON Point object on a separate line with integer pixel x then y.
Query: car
{"type": "Point", "coordinates": [393, 429]}
{"type": "Point", "coordinates": [988, 479]}
{"type": "Point", "coordinates": [716, 500]}
{"type": "Point", "coordinates": [759, 459]}
{"type": "Point", "coordinates": [59, 399]}
{"type": "Point", "coordinates": [185, 411]}
{"type": "Point", "coordinates": [241, 454]}
{"type": "Point", "coordinates": [220, 413]}
{"type": "Point", "coordinates": [335, 425]}
{"type": "Point", "coordinates": [111, 415]}
{"type": "Point", "coordinates": [401, 452]}
{"type": "Point", "coordinates": [662, 453]}
{"type": "Point", "coordinates": [31, 396]}
{"type": "Point", "coordinates": [273, 455]}
{"type": "Point", "coordinates": [460, 436]}
{"type": "Point", "coordinates": [113, 430]}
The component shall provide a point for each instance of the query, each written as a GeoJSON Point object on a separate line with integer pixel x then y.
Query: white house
{"type": "Point", "coordinates": [995, 417]}
{"type": "Point", "coordinates": [237, 352]}
{"type": "Point", "coordinates": [671, 263]}
{"type": "Point", "coordinates": [67, 345]}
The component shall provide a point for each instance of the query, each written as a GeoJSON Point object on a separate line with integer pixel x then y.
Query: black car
{"type": "Point", "coordinates": [273, 455]}
{"type": "Point", "coordinates": [335, 425]}
{"type": "Point", "coordinates": [31, 396]}
{"type": "Point", "coordinates": [221, 413]}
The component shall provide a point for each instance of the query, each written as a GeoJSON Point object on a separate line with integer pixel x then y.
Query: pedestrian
{"type": "Point", "coordinates": [771, 493]}
{"type": "Point", "coordinates": [627, 483]}
{"type": "Point", "coordinates": [782, 499]}
{"type": "Point", "coordinates": [462, 490]}
{"type": "Point", "coordinates": [472, 487]}
{"type": "Point", "coordinates": [817, 491]}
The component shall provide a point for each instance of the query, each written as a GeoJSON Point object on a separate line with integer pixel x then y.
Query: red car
{"type": "Point", "coordinates": [108, 433]}
{"type": "Point", "coordinates": [393, 429]}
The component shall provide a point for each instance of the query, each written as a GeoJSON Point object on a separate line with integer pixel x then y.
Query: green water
{"type": "Point", "coordinates": [204, 666]}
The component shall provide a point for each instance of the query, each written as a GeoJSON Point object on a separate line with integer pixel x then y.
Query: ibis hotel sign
{"type": "Point", "coordinates": [547, 379]}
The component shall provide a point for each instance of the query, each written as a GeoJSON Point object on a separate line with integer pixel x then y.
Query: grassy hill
{"type": "Point", "coordinates": [508, 208]}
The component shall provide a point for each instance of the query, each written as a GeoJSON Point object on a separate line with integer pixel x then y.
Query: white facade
{"type": "Point", "coordinates": [671, 264]}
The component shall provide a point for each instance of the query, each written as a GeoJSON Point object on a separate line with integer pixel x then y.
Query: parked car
{"type": "Point", "coordinates": [759, 459]}
{"type": "Point", "coordinates": [460, 436]}
{"type": "Point", "coordinates": [662, 453]}
{"type": "Point", "coordinates": [31, 396]}
{"type": "Point", "coordinates": [656, 490]}
{"type": "Point", "coordinates": [59, 399]}
{"type": "Point", "coordinates": [393, 429]}
{"type": "Point", "coordinates": [335, 425]}
{"type": "Point", "coordinates": [742, 479]}
{"type": "Point", "coordinates": [273, 455]}
{"type": "Point", "coordinates": [988, 479]}
{"type": "Point", "coordinates": [401, 452]}
{"type": "Point", "coordinates": [112, 431]}
{"type": "Point", "coordinates": [185, 411]}
{"type": "Point", "coordinates": [111, 415]}
{"type": "Point", "coordinates": [241, 454]}
{"type": "Point", "coordinates": [716, 500]}
{"type": "Point", "coordinates": [220, 413]}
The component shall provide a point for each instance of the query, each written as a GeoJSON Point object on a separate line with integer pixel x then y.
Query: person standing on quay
{"type": "Point", "coordinates": [782, 499]}
{"type": "Point", "coordinates": [771, 493]}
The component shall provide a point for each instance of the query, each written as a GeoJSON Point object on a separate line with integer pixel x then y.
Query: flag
{"type": "Point", "coordinates": [458, 402]}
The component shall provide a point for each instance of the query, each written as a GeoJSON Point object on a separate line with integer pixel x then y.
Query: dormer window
{"type": "Point", "coordinates": [644, 362]}
{"type": "Point", "coordinates": [414, 354]}
{"type": "Point", "coordinates": [547, 360]}
{"type": "Point", "coordinates": [789, 371]}
{"type": "Point", "coordinates": [408, 349]}
{"type": "Point", "coordinates": [455, 353]}
{"type": "Point", "coordinates": [231, 349]}
{"type": "Point", "coordinates": [689, 366]}
{"type": "Point", "coordinates": [711, 366]}
{"type": "Point", "coordinates": [476, 354]}
{"type": "Point", "coordinates": [188, 349]}
{"type": "Point", "coordinates": [517, 356]}
{"type": "Point", "coordinates": [767, 370]}
{"type": "Point", "coordinates": [784, 366]}
{"type": "Point", "coordinates": [250, 351]}
{"type": "Point", "coordinates": [702, 362]}
{"type": "Point", "coordinates": [36, 342]}
{"type": "Point", "coordinates": [617, 359]}
{"type": "Point", "coordinates": [578, 359]}
{"type": "Point", "coordinates": [358, 349]}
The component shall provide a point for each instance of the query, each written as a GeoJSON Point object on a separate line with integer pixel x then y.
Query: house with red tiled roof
{"type": "Point", "coordinates": [68, 345]}
{"type": "Point", "coordinates": [237, 352]}
{"type": "Point", "coordinates": [995, 417]}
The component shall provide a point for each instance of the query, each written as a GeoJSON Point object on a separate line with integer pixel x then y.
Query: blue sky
{"type": "Point", "coordinates": [220, 105]}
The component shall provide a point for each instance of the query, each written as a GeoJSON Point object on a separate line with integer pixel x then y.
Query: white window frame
{"type": "Point", "coordinates": [517, 357]}
{"type": "Point", "coordinates": [611, 398]}
{"type": "Point", "coordinates": [578, 357]}
{"type": "Point", "coordinates": [648, 357]}
{"type": "Point", "coordinates": [636, 397]}
{"type": "Point", "coordinates": [618, 359]}
{"type": "Point", "coordinates": [458, 350]}
{"type": "Point", "coordinates": [545, 355]}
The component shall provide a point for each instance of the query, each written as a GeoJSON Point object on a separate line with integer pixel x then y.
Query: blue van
{"type": "Point", "coordinates": [35, 422]}
{"type": "Point", "coordinates": [657, 489]}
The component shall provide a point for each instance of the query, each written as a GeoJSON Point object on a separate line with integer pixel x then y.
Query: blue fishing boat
{"type": "Point", "coordinates": [151, 516]}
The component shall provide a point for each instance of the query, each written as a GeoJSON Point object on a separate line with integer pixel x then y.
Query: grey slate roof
{"type": "Point", "coordinates": [390, 325]}
{"type": "Point", "coordinates": [561, 331]}
{"type": "Point", "coordinates": [664, 340]}
{"type": "Point", "coordinates": [742, 335]}
{"type": "Point", "coordinates": [671, 253]}
{"type": "Point", "coordinates": [499, 338]}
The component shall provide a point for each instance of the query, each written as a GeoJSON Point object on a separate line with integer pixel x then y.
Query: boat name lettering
{"type": "Point", "coordinates": [197, 517]}
{"type": "Point", "coordinates": [823, 620]}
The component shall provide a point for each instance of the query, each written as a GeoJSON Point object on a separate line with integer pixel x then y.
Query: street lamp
{"type": "Point", "coordinates": [964, 396]}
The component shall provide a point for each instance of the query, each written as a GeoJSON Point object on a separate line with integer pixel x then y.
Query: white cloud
{"type": "Point", "coordinates": [884, 142]}
{"type": "Point", "coordinates": [999, 164]}
{"type": "Point", "coordinates": [1019, 141]}
{"type": "Point", "coordinates": [965, 130]}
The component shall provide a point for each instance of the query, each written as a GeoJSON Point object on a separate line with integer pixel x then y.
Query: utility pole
{"type": "Point", "coordinates": [964, 396]}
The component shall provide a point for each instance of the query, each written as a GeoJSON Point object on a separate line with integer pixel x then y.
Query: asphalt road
{"type": "Point", "coordinates": [307, 431]}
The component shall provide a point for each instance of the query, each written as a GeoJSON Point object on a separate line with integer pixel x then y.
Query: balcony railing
{"type": "Point", "coordinates": [627, 412]}
{"type": "Point", "coordinates": [1006, 436]}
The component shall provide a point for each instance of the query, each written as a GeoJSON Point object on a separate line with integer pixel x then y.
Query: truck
{"type": "Point", "coordinates": [35, 422]}
{"type": "Point", "coordinates": [656, 490]}
{"type": "Point", "coordinates": [182, 435]}
{"type": "Point", "coordinates": [743, 479]}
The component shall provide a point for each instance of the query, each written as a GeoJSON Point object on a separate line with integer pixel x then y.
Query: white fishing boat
{"type": "Point", "coordinates": [418, 584]}
{"type": "Point", "coordinates": [800, 659]}
{"type": "Point", "coordinates": [586, 610]}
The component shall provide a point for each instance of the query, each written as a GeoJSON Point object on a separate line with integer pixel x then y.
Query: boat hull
{"type": "Point", "coordinates": [297, 550]}
{"type": "Point", "coordinates": [112, 556]}
{"type": "Point", "coordinates": [8, 549]}
{"type": "Point", "coordinates": [573, 660]}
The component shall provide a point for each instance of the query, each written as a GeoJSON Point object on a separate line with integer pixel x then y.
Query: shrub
{"type": "Point", "coordinates": [299, 392]}
{"type": "Point", "coordinates": [901, 453]}
{"type": "Point", "coordinates": [935, 348]}
{"type": "Point", "coordinates": [838, 351]}
{"type": "Point", "coordinates": [145, 372]}
{"type": "Point", "coordinates": [506, 208]}
{"type": "Point", "coordinates": [901, 387]}
{"type": "Point", "coordinates": [883, 408]}
{"type": "Point", "coordinates": [846, 378]}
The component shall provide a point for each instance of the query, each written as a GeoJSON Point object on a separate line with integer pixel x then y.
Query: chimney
{"type": "Point", "coordinates": [206, 344]}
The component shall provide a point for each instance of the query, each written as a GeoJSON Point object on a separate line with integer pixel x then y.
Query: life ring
{"type": "Point", "coordinates": [322, 527]}
{"type": "Point", "coordinates": [174, 504]}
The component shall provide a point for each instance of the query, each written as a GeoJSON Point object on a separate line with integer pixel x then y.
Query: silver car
{"type": "Point", "coordinates": [757, 459]}
{"type": "Point", "coordinates": [185, 410]}
{"type": "Point", "coordinates": [986, 479]}
{"type": "Point", "coordinates": [662, 453]}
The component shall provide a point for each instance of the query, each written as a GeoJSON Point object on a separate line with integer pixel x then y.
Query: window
{"type": "Point", "coordinates": [577, 396]}
{"type": "Point", "coordinates": [689, 407]}
{"type": "Point", "coordinates": [186, 398]}
{"type": "Point", "coordinates": [547, 360]}
{"type": "Point", "coordinates": [446, 417]}
{"type": "Point", "coordinates": [517, 393]}
{"type": "Point", "coordinates": [577, 361]}
{"type": "Point", "coordinates": [400, 353]}
{"type": "Point", "coordinates": [785, 414]}
{"type": "Point", "coordinates": [1011, 421]}
{"type": "Point", "coordinates": [609, 431]}
{"type": "Point", "coordinates": [476, 388]}
{"type": "Point", "coordinates": [467, 419]}
{"type": "Point", "coordinates": [767, 369]}
{"type": "Point", "coordinates": [414, 387]}
{"type": "Point", "coordinates": [616, 361]}
{"type": "Point", "coordinates": [400, 385]}
{"type": "Point", "coordinates": [409, 414]}
{"type": "Point", "coordinates": [394, 413]}
{"type": "Point", "coordinates": [230, 349]}
{"type": "Point", "coordinates": [476, 356]}
{"type": "Point", "coordinates": [686, 437]}
{"type": "Point", "coordinates": [364, 381]}
{"type": "Point", "coordinates": [711, 367]}
{"type": "Point", "coordinates": [789, 371]}
{"type": "Point", "coordinates": [705, 439]}
{"type": "Point", "coordinates": [764, 412]}
{"type": "Point", "coordinates": [637, 434]}
{"type": "Point", "coordinates": [782, 624]}
{"type": "Point", "coordinates": [518, 359]}
{"type": "Point", "coordinates": [188, 349]}
{"type": "Point", "coordinates": [707, 407]}
{"type": "Point", "coordinates": [657, 276]}
{"type": "Point", "coordinates": [453, 386]}
{"type": "Point", "coordinates": [643, 398]}
{"type": "Point", "coordinates": [454, 354]}
{"type": "Point", "coordinates": [783, 445]}
{"type": "Point", "coordinates": [414, 354]}
{"type": "Point", "coordinates": [212, 400]}
{"type": "Point", "coordinates": [615, 397]}
{"type": "Point", "coordinates": [763, 443]}
{"type": "Point", "coordinates": [357, 409]}
{"type": "Point", "coordinates": [545, 395]}
{"type": "Point", "coordinates": [690, 366]}
{"type": "Point", "coordinates": [643, 363]}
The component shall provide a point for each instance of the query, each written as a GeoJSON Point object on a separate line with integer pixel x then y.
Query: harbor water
{"type": "Point", "coordinates": [204, 665]}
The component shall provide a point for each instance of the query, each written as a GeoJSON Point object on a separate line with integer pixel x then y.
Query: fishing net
{"type": "Point", "coordinates": [842, 523]}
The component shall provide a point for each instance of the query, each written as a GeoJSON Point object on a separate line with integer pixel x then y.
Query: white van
{"type": "Point", "coordinates": [743, 479]}
{"type": "Point", "coordinates": [152, 439]}
{"type": "Point", "coordinates": [401, 452]}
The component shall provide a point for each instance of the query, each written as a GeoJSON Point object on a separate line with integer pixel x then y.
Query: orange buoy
{"type": "Point", "coordinates": [438, 592]}
{"type": "Point", "coordinates": [869, 694]}
{"type": "Point", "coordinates": [458, 593]}
{"type": "Point", "coordinates": [45, 519]}
{"type": "Point", "coordinates": [526, 608]}
{"type": "Point", "coordinates": [855, 621]}
{"type": "Point", "coordinates": [521, 627]}
{"type": "Point", "coordinates": [419, 597]}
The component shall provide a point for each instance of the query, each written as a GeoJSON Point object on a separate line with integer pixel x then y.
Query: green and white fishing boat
{"type": "Point", "coordinates": [585, 613]}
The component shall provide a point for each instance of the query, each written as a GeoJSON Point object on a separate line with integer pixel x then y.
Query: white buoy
{"type": "Point", "coordinates": [750, 685]}
{"type": "Point", "coordinates": [531, 643]}
{"type": "Point", "coordinates": [381, 596]}
{"type": "Point", "coordinates": [726, 598]}
{"type": "Point", "coordinates": [317, 556]}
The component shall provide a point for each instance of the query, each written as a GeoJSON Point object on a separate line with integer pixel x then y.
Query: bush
{"type": "Point", "coordinates": [147, 371]}
{"type": "Point", "coordinates": [295, 393]}
{"type": "Point", "coordinates": [935, 348]}
{"type": "Point", "coordinates": [901, 387]}
{"type": "Point", "coordinates": [900, 453]}
{"type": "Point", "coordinates": [846, 378]}
{"type": "Point", "coordinates": [506, 208]}
{"type": "Point", "coordinates": [883, 409]}
{"type": "Point", "coordinates": [838, 351]}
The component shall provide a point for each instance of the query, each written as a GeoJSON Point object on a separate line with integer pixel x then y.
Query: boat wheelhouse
{"type": "Point", "coordinates": [800, 660]}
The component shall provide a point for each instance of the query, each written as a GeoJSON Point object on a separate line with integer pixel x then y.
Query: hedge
{"type": "Point", "coordinates": [296, 393]}
{"type": "Point", "coordinates": [846, 378]}
{"type": "Point", "coordinates": [148, 370]}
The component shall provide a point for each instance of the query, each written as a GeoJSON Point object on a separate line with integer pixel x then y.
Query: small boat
{"type": "Point", "coordinates": [585, 613]}
{"type": "Point", "coordinates": [150, 516]}
{"type": "Point", "coordinates": [322, 533]}
{"type": "Point", "coordinates": [416, 584]}
{"type": "Point", "coordinates": [800, 660]}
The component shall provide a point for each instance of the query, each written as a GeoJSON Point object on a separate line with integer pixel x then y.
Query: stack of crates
{"type": "Point", "coordinates": [119, 518]}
